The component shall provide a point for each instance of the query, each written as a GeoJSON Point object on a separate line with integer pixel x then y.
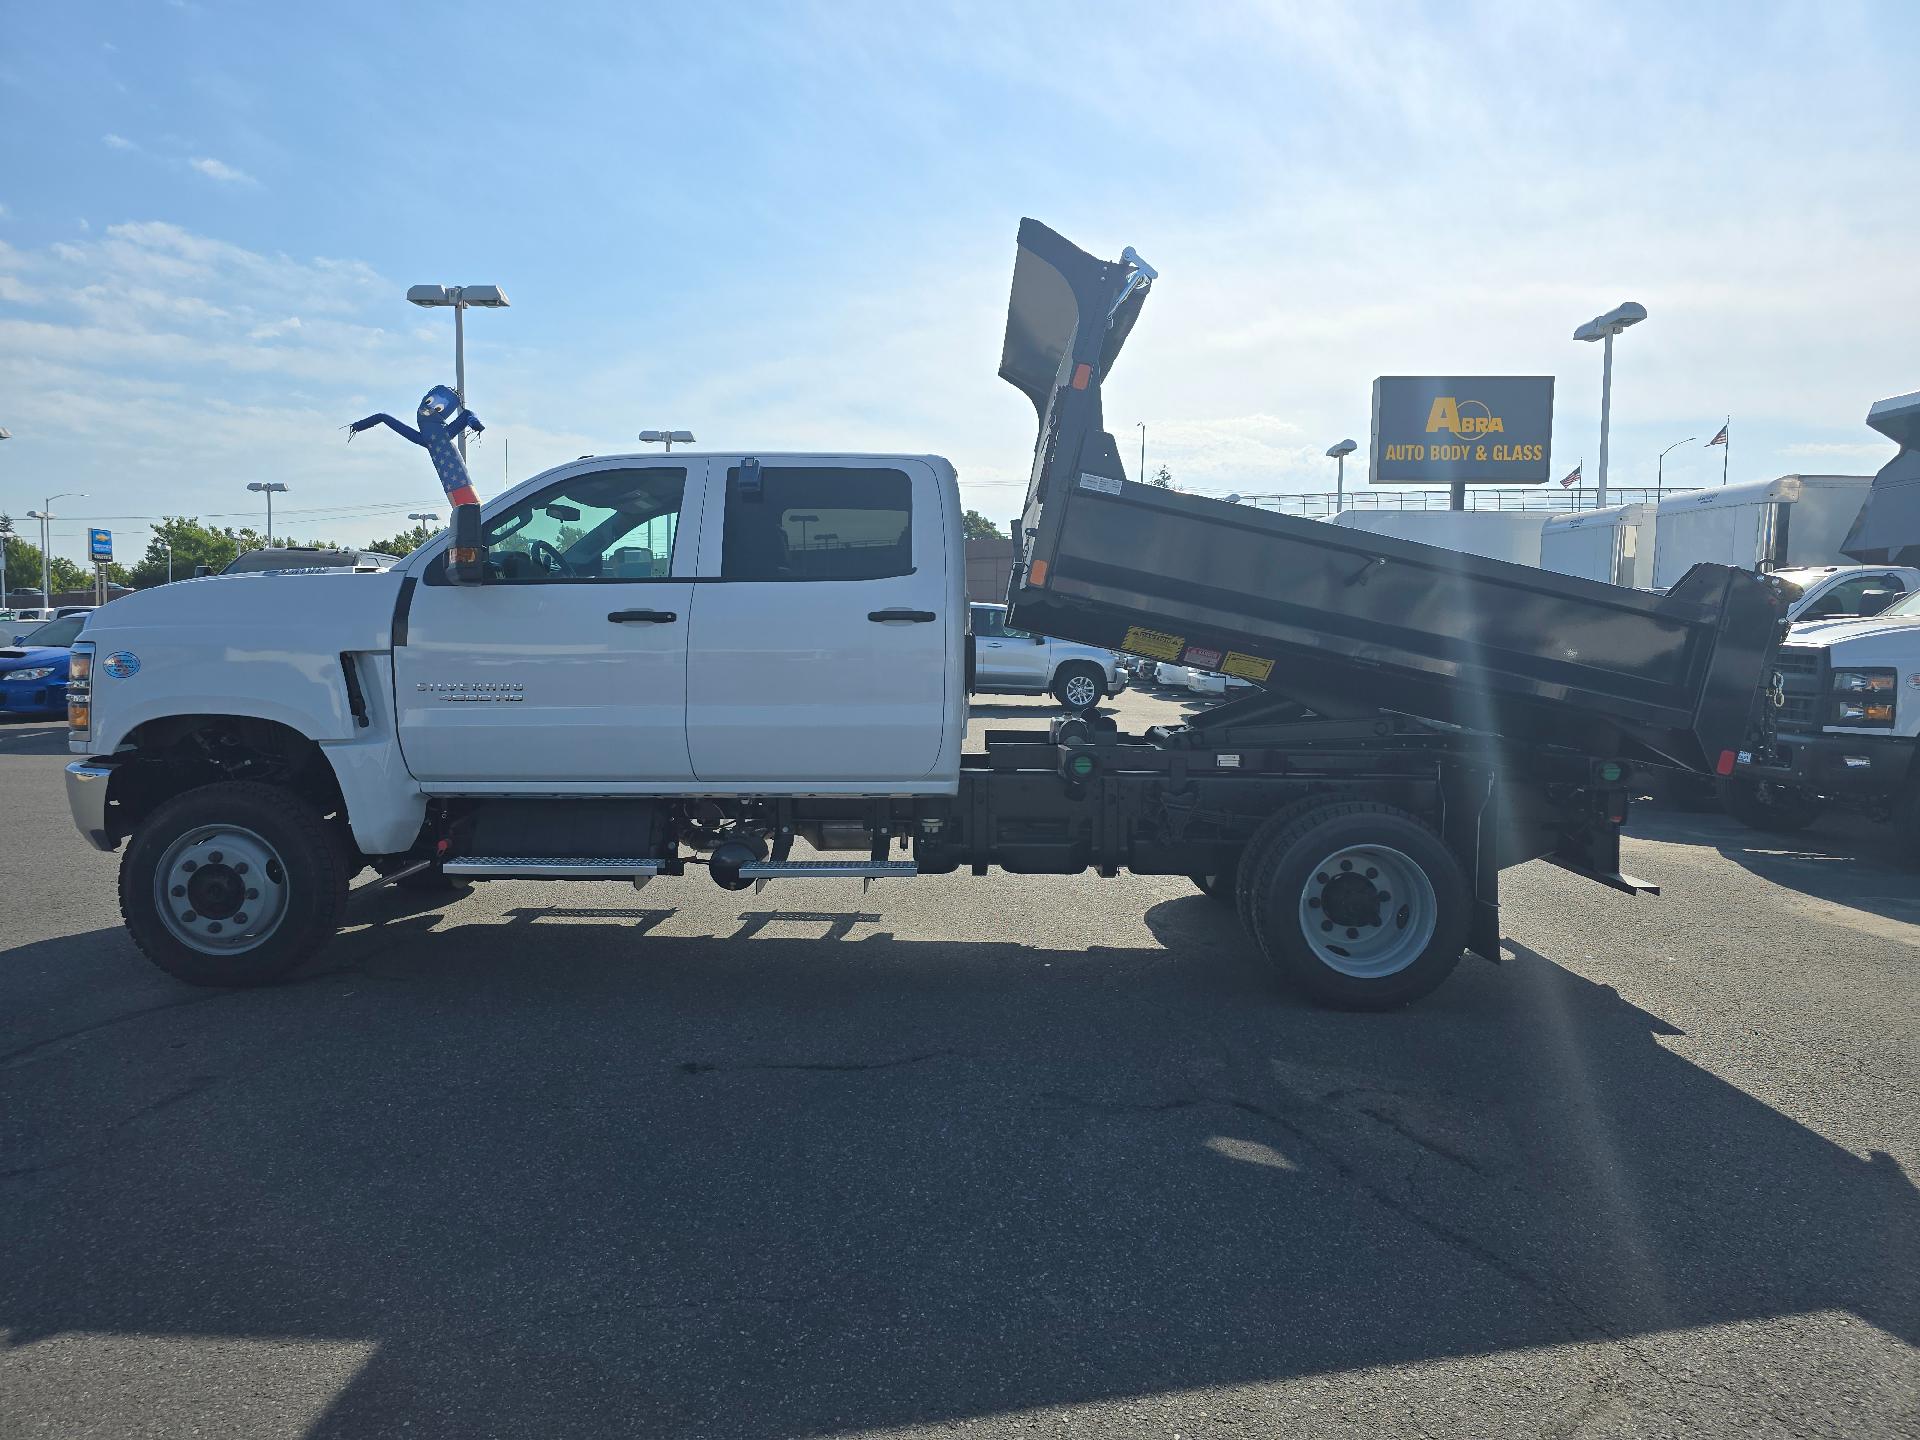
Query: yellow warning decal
{"type": "Point", "coordinates": [1247, 667]}
{"type": "Point", "coordinates": [1154, 644]}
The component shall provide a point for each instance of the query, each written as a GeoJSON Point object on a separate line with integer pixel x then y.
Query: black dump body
{"type": "Point", "coordinates": [1346, 622]}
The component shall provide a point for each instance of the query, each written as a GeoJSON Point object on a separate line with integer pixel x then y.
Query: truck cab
{"type": "Point", "coordinates": [1845, 703]}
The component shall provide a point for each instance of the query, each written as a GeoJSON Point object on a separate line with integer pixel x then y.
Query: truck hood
{"type": "Point", "coordinates": [1821, 633]}
{"type": "Point", "coordinates": [345, 609]}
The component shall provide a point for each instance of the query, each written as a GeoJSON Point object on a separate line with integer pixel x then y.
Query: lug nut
{"type": "Point", "coordinates": [188, 916]}
{"type": "Point", "coordinates": [253, 894]}
{"type": "Point", "coordinates": [178, 891]}
{"type": "Point", "coordinates": [214, 858]}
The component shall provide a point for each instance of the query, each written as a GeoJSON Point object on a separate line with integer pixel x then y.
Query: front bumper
{"type": "Point", "coordinates": [1116, 682]}
{"type": "Point", "coordinates": [87, 783]}
{"type": "Point", "coordinates": [33, 697]}
{"type": "Point", "coordinates": [1846, 765]}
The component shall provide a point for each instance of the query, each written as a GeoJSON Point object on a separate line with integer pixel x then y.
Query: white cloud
{"type": "Point", "coordinates": [117, 142]}
{"type": "Point", "coordinates": [274, 329]}
{"type": "Point", "coordinates": [219, 170]}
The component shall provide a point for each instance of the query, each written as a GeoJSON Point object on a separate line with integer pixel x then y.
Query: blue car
{"type": "Point", "coordinates": [33, 670]}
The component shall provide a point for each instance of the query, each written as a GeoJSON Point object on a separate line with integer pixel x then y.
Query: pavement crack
{"type": "Point", "coordinates": [14, 1057]}
{"type": "Point", "coordinates": [153, 1107]}
{"type": "Point", "coordinates": [1120, 1107]}
{"type": "Point", "coordinates": [708, 1067]}
{"type": "Point", "coordinates": [1399, 1127]}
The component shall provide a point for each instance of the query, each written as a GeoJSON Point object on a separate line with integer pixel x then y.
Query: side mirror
{"type": "Point", "coordinates": [1038, 639]}
{"type": "Point", "coordinates": [1872, 602]}
{"type": "Point", "coordinates": [466, 557]}
{"type": "Point", "coordinates": [200, 572]}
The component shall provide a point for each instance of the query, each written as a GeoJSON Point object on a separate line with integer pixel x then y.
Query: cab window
{"type": "Point", "coordinates": [989, 620]}
{"type": "Point", "coordinates": [607, 526]}
{"type": "Point", "coordinates": [817, 523]}
{"type": "Point", "coordinates": [1846, 598]}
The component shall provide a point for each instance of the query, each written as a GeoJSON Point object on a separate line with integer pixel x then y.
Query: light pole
{"type": "Point", "coordinates": [1605, 327]}
{"type": "Point", "coordinates": [803, 521]}
{"type": "Point", "coordinates": [1660, 466]}
{"type": "Point", "coordinates": [268, 488]}
{"type": "Point", "coordinates": [668, 438]}
{"type": "Point", "coordinates": [1338, 454]}
{"type": "Point", "coordinates": [169, 544]}
{"type": "Point", "coordinates": [460, 297]}
{"type": "Point", "coordinates": [6, 534]}
{"type": "Point", "coordinates": [46, 517]}
{"type": "Point", "coordinates": [1142, 426]}
{"type": "Point", "coordinates": [425, 517]}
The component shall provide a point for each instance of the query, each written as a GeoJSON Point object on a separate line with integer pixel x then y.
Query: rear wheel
{"type": "Point", "coordinates": [1358, 905]}
{"type": "Point", "coordinates": [1762, 805]}
{"type": "Point", "coordinates": [232, 884]}
{"type": "Point", "coordinates": [1079, 688]}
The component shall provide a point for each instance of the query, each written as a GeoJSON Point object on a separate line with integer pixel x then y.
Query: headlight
{"type": "Point", "coordinates": [80, 690]}
{"type": "Point", "coordinates": [39, 672]}
{"type": "Point", "coordinates": [1864, 682]}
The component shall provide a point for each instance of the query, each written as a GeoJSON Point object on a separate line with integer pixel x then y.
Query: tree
{"type": "Point", "coordinates": [405, 543]}
{"type": "Point", "coordinates": [1163, 477]}
{"type": "Point", "coordinates": [23, 569]}
{"type": "Point", "coordinates": [195, 544]}
{"type": "Point", "coordinates": [978, 527]}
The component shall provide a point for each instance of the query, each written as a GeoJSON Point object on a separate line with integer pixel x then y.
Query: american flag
{"type": "Point", "coordinates": [1721, 438]}
{"type": "Point", "coordinates": [1573, 476]}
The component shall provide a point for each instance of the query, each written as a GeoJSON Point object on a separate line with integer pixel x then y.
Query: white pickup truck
{"type": "Point", "coordinates": [635, 665]}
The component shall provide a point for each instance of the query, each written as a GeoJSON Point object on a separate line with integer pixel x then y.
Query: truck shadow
{"type": "Point", "coordinates": [571, 1172]}
{"type": "Point", "coordinates": [1843, 860]}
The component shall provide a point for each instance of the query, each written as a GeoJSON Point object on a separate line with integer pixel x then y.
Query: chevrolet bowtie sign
{"type": "Point", "coordinates": [1480, 429]}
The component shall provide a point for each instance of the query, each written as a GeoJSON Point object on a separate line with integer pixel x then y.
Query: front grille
{"type": "Point", "coordinates": [1803, 681]}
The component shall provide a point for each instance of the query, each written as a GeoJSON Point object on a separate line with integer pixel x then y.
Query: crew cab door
{"type": "Point", "coordinates": [567, 668]}
{"type": "Point", "coordinates": [818, 650]}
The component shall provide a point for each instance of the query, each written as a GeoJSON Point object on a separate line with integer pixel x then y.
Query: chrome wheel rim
{"type": "Point", "coordinates": [1368, 911]}
{"type": "Point", "coordinates": [221, 890]}
{"type": "Point", "coordinates": [1081, 693]}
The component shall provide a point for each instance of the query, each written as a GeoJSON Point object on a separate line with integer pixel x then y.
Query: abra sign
{"type": "Point", "coordinates": [1444, 430]}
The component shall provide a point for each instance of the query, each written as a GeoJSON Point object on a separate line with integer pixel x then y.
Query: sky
{"type": "Point", "coordinates": [792, 227]}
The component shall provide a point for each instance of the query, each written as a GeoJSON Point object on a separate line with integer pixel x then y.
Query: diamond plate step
{"type": "Point", "coordinates": [828, 869]}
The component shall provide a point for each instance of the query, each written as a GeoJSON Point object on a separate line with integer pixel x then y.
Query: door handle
{"type": "Point", "coordinates": [917, 617]}
{"type": "Point", "coordinates": [642, 617]}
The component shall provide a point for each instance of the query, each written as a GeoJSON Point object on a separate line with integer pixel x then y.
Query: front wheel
{"type": "Point", "coordinates": [232, 884]}
{"type": "Point", "coordinates": [1358, 905]}
{"type": "Point", "coordinates": [1079, 687]}
{"type": "Point", "coordinates": [1761, 805]}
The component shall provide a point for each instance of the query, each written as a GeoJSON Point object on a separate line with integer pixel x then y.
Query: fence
{"type": "Point", "coordinates": [1532, 498]}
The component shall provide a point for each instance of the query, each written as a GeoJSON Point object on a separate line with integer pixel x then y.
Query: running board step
{"type": "Point", "coordinates": [828, 869]}
{"type": "Point", "coordinates": [555, 867]}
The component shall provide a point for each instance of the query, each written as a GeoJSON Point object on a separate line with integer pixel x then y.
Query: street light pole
{"type": "Point", "coordinates": [1143, 450]}
{"type": "Point", "coordinates": [269, 488]}
{"type": "Point", "coordinates": [1605, 327]}
{"type": "Point", "coordinates": [45, 516]}
{"type": "Point", "coordinates": [1660, 466]}
{"type": "Point", "coordinates": [488, 297]}
{"type": "Point", "coordinates": [1338, 454]}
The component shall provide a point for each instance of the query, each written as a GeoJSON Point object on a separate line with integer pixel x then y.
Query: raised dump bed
{"type": "Point", "coordinates": [1343, 621]}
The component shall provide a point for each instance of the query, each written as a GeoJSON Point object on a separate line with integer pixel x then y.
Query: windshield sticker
{"type": "Point", "coordinates": [1247, 667]}
{"type": "Point", "coordinates": [1153, 644]}
{"type": "Point", "coordinates": [121, 665]}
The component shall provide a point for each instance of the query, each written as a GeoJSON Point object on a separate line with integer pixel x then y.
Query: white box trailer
{"type": "Point", "coordinates": [1795, 520]}
{"type": "Point", "coordinates": [1614, 545]}
{"type": "Point", "coordinates": [1512, 535]}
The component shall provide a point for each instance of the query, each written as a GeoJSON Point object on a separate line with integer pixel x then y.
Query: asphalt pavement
{"type": "Point", "coordinates": [961, 1156]}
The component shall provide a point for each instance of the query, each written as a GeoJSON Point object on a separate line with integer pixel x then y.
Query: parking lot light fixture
{"type": "Point", "coordinates": [1338, 454]}
{"type": "Point", "coordinates": [269, 488]}
{"type": "Point", "coordinates": [1605, 327]}
{"type": "Point", "coordinates": [46, 518]}
{"type": "Point", "coordinates": [668, 438]}
{"type": "Point", "coordinates": [459, 298]}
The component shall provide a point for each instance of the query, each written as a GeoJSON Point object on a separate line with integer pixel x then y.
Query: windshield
{"type": "Point", "coordinates": [1905, 605]}
{"type": "Point", "coordinates": [56, 632]}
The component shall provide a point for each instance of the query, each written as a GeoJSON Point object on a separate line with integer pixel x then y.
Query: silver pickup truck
{"type": "Point", "coordinates": [1014, 662]}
